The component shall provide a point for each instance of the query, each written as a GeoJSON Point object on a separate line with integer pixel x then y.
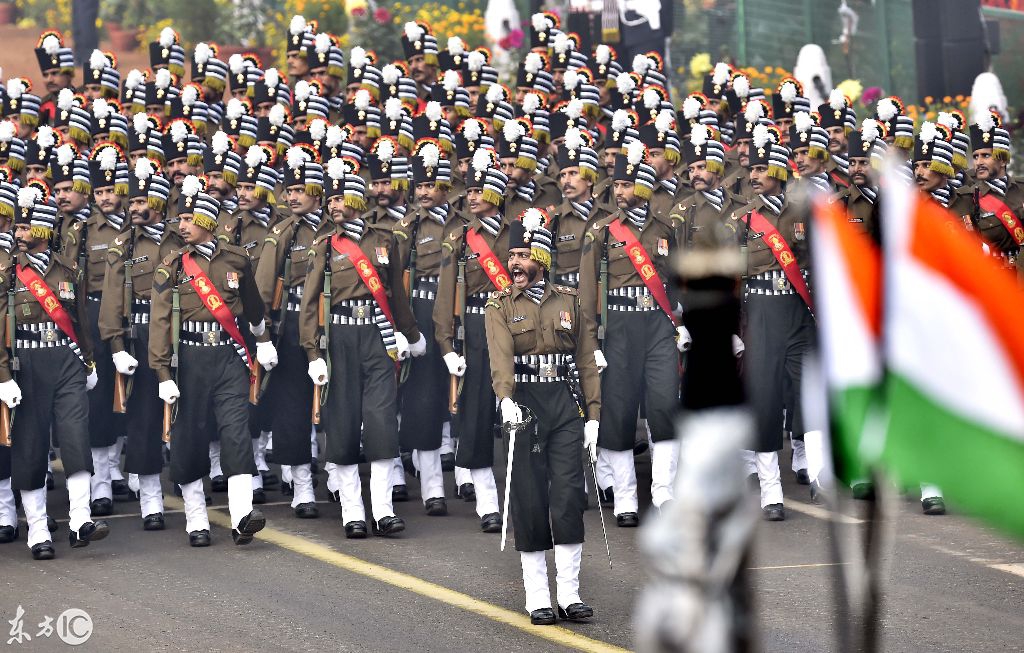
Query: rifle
{"type": "Point", "coordinates": [409, 280]}
{"type": "Point", "coordinates": [602, 293]}
{"type": "Point", "coordinates": [976, 209]}
{"type": "Point", "coordinates": [171, 410]}
{"type": "Point", "coordinates": [553, 272]}
{"type": "Point", "coordinates": [320, 394]}
{"type": "Point", "coordinates": [7, 413]}
{"type": "Point", "coordinates": [121, 389]}
{"type": "Point", "coordinates": [459, 314]}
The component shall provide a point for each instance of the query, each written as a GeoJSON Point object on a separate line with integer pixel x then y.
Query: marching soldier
{"type": "Point", "coordinates": [517, 151]}
{"type": "Point", "coordinates": [838, 119]}
{"type": "Point", "coordinates": [638, 333]}
{"type": "Point", "coordinates": [389, 184]}
{"type": "Point", "coordinates": [213, 284]}
{"type": "Point", "coordinates": [132, 259]}
{"type": "Point", "coordinates": [866, 150]}
{"type": "Point", "coordinates": [54, 369]}
{"type": "Point", "coordinates": [354, 289]}
{"type": "Point", "coordinates": [470, 267]}
{"type": "Point", "coordinates": [809, 144]}
{"type": "Point", "coordinates": [540, 339]}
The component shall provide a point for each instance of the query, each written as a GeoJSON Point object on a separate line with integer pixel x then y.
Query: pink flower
{"type": "Point", "coordinates": [358, 12]}
{"type": "Point", "coordinates": [381, 15]}
{"type": "Point", "coordinates": [505, 43]}
{"type": "Point", "coordinates": [515, 39]}
{"type": "Point", "coordinates": [870, 95]}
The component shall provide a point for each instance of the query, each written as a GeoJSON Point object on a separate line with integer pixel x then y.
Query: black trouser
{"type": "Point", "coordinates": [548, 495]}
{"type": "Point", "coordinates": [363, 393]}
{"type": "Point", "coordinates": [474, 424]}
{"type": "Point", "coordinates": [105, 426]}
{"type": "Point", "coordinates": [144, 414]}
{"type": "Point", "coordinates": [778, 331]}
{"type": "Point", "coordinates": [289, 395]}
{"type": "Point", "coordinates": [5, 463]}
{"type": "Point", "coordinates": [52, 381]}
{"type": "Point", "coordinates": [643, 365]}
{"type": "Point", "coordinates": [423, 397]}
{"type": "Point", "coordinates": [214, 385]}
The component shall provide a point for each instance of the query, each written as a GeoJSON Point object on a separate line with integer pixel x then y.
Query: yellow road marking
{"type": "Point", "coordinates": [405, 581]}
{"type": "Point", "coordinates": [1015, 568]}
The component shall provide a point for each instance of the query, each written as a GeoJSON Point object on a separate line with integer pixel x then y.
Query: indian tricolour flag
{"type": "Point", "coordinates": [953, 325]}
{"type": "Point", "coordinates": [847, 279]}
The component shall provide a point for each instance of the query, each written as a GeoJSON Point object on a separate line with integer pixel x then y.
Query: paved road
{"type": "Point", "coordinates": [444, 586]}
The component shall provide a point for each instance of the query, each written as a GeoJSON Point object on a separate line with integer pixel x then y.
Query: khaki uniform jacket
{"type": "Point", "coordinates": [791, 226]}
{"type": "Point", "coordinates": [862, 211]}
{"type": "Point", "coordinates": [518, 326]}
{"type": "Point", "coordinates": [299, 235]}
{"type": "Point", "coordinates": [145, 256]}
{"type": "Point", "coordinates": [98, 235]}
{"type": "Point", "coordinates": [569, 231]}
{"type": "Point", "coordinates": [476, 279]}
{"type": "Point", "coordinates": [244, 301]}
{"type": "Point", "coordinates": [990, 226]}
{"type": "Point", "coordinates": [429, 238]}
{"type": "Point", "coordinates": [702, 226]}
{"type": "Point", "coordinates": [242, 230]}
{"type": "Point", "coordinates": [545, 195]}
{"type": "Point", "coordinates": [380, 216]}
{"type": "Point", "coordinates": [378, 243]}
{"type": "Point", "coordinates": [28, 310]}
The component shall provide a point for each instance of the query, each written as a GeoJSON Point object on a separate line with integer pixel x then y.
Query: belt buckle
{"type": "Point", "coordinates": [49, 335]}
{"type": "Point", "coordinates": [546, 370]}
{"type": "Point", "coordinates": [361, 312]}
{"type": "Point", "coordinates": [210, 337]}
{"type": "Point", "coordinates": [645, 301]}
{"type": "Point", "coordinates": [782, 283]}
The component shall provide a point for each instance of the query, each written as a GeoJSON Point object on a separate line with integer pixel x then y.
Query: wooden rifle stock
{"type": "Point", "coordinates": [120, 392]}
{"type": "Point", "coordinates": [5, 425]}
{"type": "Point", "coordinates": [275, 303]}
{"type": "Point", "coordinates": [255, 380]}
{"type": "Point", "coordinates": [168, 420]}
{"type": "Point", "coordinates": [316, 405]}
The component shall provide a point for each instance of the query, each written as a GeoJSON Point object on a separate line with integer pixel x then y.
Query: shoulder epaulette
{"type": "Point", "coordinates": [497, 294]}
{"type": "Point", "coordinates": [565, 290]}
{"type": "Point", "coordinates": [228, 248]}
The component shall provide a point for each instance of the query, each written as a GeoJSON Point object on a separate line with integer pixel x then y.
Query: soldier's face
{"type": "Point", "coordinates": [56, 80]}
{"type": "Point", "coordinates": [743, 152]}
{"type": "Point", "coordinates": [662, 166]}
{"type": "Point", "coordinates": [350, 92]}
{"type": "Point", "coordinates": [609, 159]}
{"type": "Point", "coordinates": [140, 213]}
{"type": "Point", "coordinates": [238, 93]}
{"type": "Point", "coordinates": [762, 182]}
{"type": "Point", "coordinates": [422, 72]}
{"type": "Point", "coordinates": [330, 82]}
{"type": "Point", "coordinates": [701, 178]}
{"type": "Point", "coordinates": [338, 211]}
{"type": "Point", "coordinates": [784, 124]}
{"type": "Point", "coordinates": [926, 178]}
{"type": "Point", "coordinates": [191, 232]}
{"type": "Point", "coordinates": [806, 164]}
{"type": "Point", "coordinates": [35, 172]}
{"type": "Point", "coordinates": [92, 91]}
{"type": "Point", "coordinates": [26, 241]}
{"type": "Point", "coordinates": [107, 200]}
{"type": "Point", "coordinates": [574, 186]}
{"type": "Point", "coordinates": [299, 202]}
{"type": "Point", "coordinates": [429, 195]}
{"type": "Point", "coordinates": [68, 200]}
{"type": "Point", "coordinates": [262, 110]}
{"type": "Point", "coordinates": [508, 166]}
{"type": "Point", "coordinates": [211, 94]}
{"type": "Point", "coordinates": [381, 190]}
{"type": "Point", "coordinates": [217, 187]}
{"type": "Point", "coordinates": [837, 140]}
{"type": "Point", "coordinates": [178, 169]}
{"type": "Point", "coordinates": [987, 166]}
{"type": "Point", "coordinates": [625, 195]}
{"type": "Point", "coordinates": [247, 200]}
{"type": "Point", "coordinates": [474, 95]}
{"type": "Point", "coordinates": [525, 271]}
{"type": "Point", "coordinates": [297, 65]}
{"type": "Point", "coordinates": [360, 137]}
{"type": "Point", "coordinates": [861, 173]}
{"type": "Point", "coordinates": [464, 165]}
{"type": "Point", "coordinates": [24, 131]}
{"type": "Point", "coordinates": [478, 206]}
{"type": "Point", "coordinates": [133, 157]}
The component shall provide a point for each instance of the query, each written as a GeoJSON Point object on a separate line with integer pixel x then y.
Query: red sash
{"type": "Point", "coordinates": [492, 267]}
{"type": "Point", "coordinates": [783, 254]}
{"type": "Point", "coordinates": [47, 300]}
{"type": "Point", "coordinates": [990, 202]}
{"type": "Point", "coordinates": [367, 273]}
{"type": "Point", "coordinates": [641, 260]}
{"type": "Point", "coordinates": [836, 177]}
{"type": "Point", "coordinates": [214, 302]}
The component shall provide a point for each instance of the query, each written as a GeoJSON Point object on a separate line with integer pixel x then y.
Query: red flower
{"type": "Point", "coordinates": [515, 38]}
{"type": "Point", "coordinates": [381, 15]}
{"type": "Point", "coordinates": [358, 12]}
{"type": "Point", "coordinates": [505, 43]}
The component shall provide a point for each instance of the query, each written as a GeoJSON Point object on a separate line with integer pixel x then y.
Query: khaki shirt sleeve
{"type": "Point", "coordinates": [82, 327]}
{"type": "Point", "coordinates": [590, 267]}
{"type": "Point", "coordinates": [271, 262]}
{"type": "Point", "coordinates": [500, 347]}
{"type": "Point", "coordinates": [252, 304]}
{"type": "Point", "coordinates": [111, 322]}
{"type": "Point", "coordinates": [590, 377]}
{"type": "Point", "coordinates": [309, 325]}
{"type": "Point", "coordinates": [444, 320]}
{"type": "Point", "coordinates": [405, 321]}
{"type": "Point", "coordinates": [160, 350]}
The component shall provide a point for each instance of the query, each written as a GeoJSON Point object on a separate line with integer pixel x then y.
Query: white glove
{"type": "Point", "coordinates": [737, 346]}
{"type": "Point", "coordinates": [318, 371]}
{"type": "Point", "coordinates": [124, 362]}
{"type": "Point", "coordinates": [266, 355]}
{"type": "Point", "coordinates": [258, 329]}
{"type": "Point", "coordinates": [683, 339]}
{"type": "Point", "coordinates": [510, 412]}
{"type": "Point", "coordinates": [600, 361]}
{"type": "Point", "coordinates": [91, 379]}
{"type": "Point", "coordinates": [590, 429]}
{"type": "Point", "coordinates": [403, 345]}
{"type": "Point", "coordinates": [419, 347]}
{"type": "Point", "coordinates": [10, 393]}
{"type": "Point", "coordinates": [456, 364]}
{"type": "Point", "coordinates": [168, 391]}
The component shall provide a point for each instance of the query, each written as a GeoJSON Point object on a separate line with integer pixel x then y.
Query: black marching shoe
{"type": "Point", "coordinates": [355, 530]}
{"type": "Point", "coordinates": [627, 520]}
{"type": "Point", "coordinates": [407, 464]}
{"type": "Point", "coordinates": [933, 506]}
{"type": "Point", "coordinates": [491, 523]}
{"type": "Point", "coordinates": [121, 491]}
{"type": "Point", "coordinates": [259, 496]}
{"type": "Point", "coordinates": [802, 478]}
{"type": "Point", "coordinates": [199, 538]}
{"type": "Point", "coordinates": [51, 524]}
{"type": "Point", "coordinates": [400, 493]}
{"type": "Point", "coordinates": [436, 507]}
{"type": "Point", "coordinates": [101, 507]}
{"type": "Point", "coordinates": [388, 526]}
{"type": "Point", "coordinates": [250, 525]}
{"type": "Point", "coordinates": [154, 522]}
{"type": "Point", "coordinates": [576, 612]}
{"type": "Point", "coordinates": [542, 617]}
{"type": "Point", "coordinates": [774, 512]}
{"type": "Point", "coordinates": [91, 531]}
{"type": "Point", "coordinates": [287, 489]}
{"type": "Point", "coordinates": [43, 551]}
{"type": "Point", "coordinates": [447, 462]}
{"type": "Point", "coordinates": [307, 511]}
{"type": "Point", "coordinates": [334, 497]}
{"type": "Point", "coordinates": [606, 496]}
{"type": "Point", "coordinates": [219, 484]}
{"type": "Point", "coordinates": [8, 534]}
{"type": "Point", "coordinates": [466, 491]}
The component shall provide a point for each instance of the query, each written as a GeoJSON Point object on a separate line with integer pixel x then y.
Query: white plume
{"type": "Point", "coordinates": [532, 220]}
{"type": "Point", "coordinates": [134, 79]}
{"type": "Point", "coordinates": [481, 159]}
{"type": "Point", "coordinates": [635, 151]}
{"type": "Point", "coordinates": [15, 87]}
{"type": "Point", "coordinates": [65, 154]}
{"type": "Point", "coordinates": [98, 60]}
{"type": "Point", "coordinates": [189, 95]}
{"type": "Point", "coordinates": [163, 78]}
{"type": "Point", "coordinates": [277, 115]}
{"type": "Point", "coordinates": [140, 122]}
{"type": "Point", "coordinates": [202, 53]}
{"type": "Point", "coordinates": [272, 78]}
{"type": "Point", "coordinates": [65, 99]}
{"type": "Point", "coordinates": [721, 73]}
{"type": "Point", "coordinates": [191, 186]}
{"type": "Point", "coordinates": [318, 129]}
{"type": "Point", "coordinates": [641, 64]}
{"type": "Point", "coordinates": [539, 22]}
{"type": "Point", "coordinates": [562, 42]}
{"type": "Point", "coordinates": [255, 156]}
{"type": "Point", "coordinates": [837, 100]}
{"type": "Point", "coordinates": [753, 112]}
{"type": "Point", "coordinates": [625, 83]}
{"type": "Point", "coordinates": [570, 79]}
{"type": "Point", "coordinates": [234, 110]}
{"type": "Point", "coordinates": [236, 63]}
{"type": "Point", "coordinates": [28, 196]}
{"type": "Point", "coordinates": [336, 169]}
{"type": "Point", "coordinates": [471, 130]}
{"type": "Point", "coordinates": [296, 157]}
{"type": "Point", "coordinates": [788, 92]}
{"type": "Point", "coordinates": [393, 108]}
{"type": "Point", "coordinates": [335, 136]}
{"type": "Point", "coordinates": [179, 131]}
{"type": "Point", "coordinates": [663, 121]}
{"type": "Point", "coordinates": [761, 135]}
{"type": "Point", "coordinates": [495, 93]}
{"type": "Point", "coordinates": [45, 137]}
{"type": "Point", "coordinates": [322, 42]}
{"type": "Point", "coordinates": [573, 138]}
{"type": "Point", "coordinates": [7, 131]}
{"type": "Point", "coordinates": [699, 135]}
{"type": "Point", "coordinates": [602, 54]}
{"type": "Point", "coordinates": [947, 119]}
{"type": "Point", "coordinates": [513, 130]}
{"type": "Point", "coordinates": [741, 85]}
{"type": "Point", "coordinates": [167, 37]}
{"type": "Point", "coordinates": [531, 103]}
{"type": "Point", "coordinates": [928, 132]}
{"type": "Point", "coordinates": [870, 130]}
{"type": "Point", "coordinates": [433, 111]}
{"type": "Point", "coordinates": [886, 109]}
{"type": "Point", "coordinates": [475, 60]}
{"type": "Point", "coordinates": [533, 63]}
{"type": "Point", "coordinates": [430, 154]}
{"type": "Point", "coordinates": [574, 108]}
{"type": "Point", "coordinates": [107, 158]}
{"type": "Point", "coordinates": [51, 44]}
{"type": "Point", "coordinates": [302, 90]}
{"type": "Point", "coordinates": [101, 108]}
{"type": "Point", "coordinates": [413, 31]}
{"type": "Point", "coordinates": [297, 25]}
{"type": "Point", "coordinates": [691, 108]}
{"type": "Point", "coordinates": [362, 99]}
{"type": "Point", "coordinates": [651, 98]}
{"type": "Point", "coordinates": [385, 150]}
{"type": "Point", "coordinates": [390, 74]}
{"type": "Point", "coordinates": [983, 119]}
{"type": "Point", "coordinates": [620, 120]}
{"type": "Point", "coordinates": [357, 57]}
{"type": "Point", "coordinates": [451, 80]}
{"type": "Point", "coordinates": [802, 121]}
{"type": "Point", "coordinates": [456, 45]}
{"type": "Point", "coordinates": [220, 143]}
